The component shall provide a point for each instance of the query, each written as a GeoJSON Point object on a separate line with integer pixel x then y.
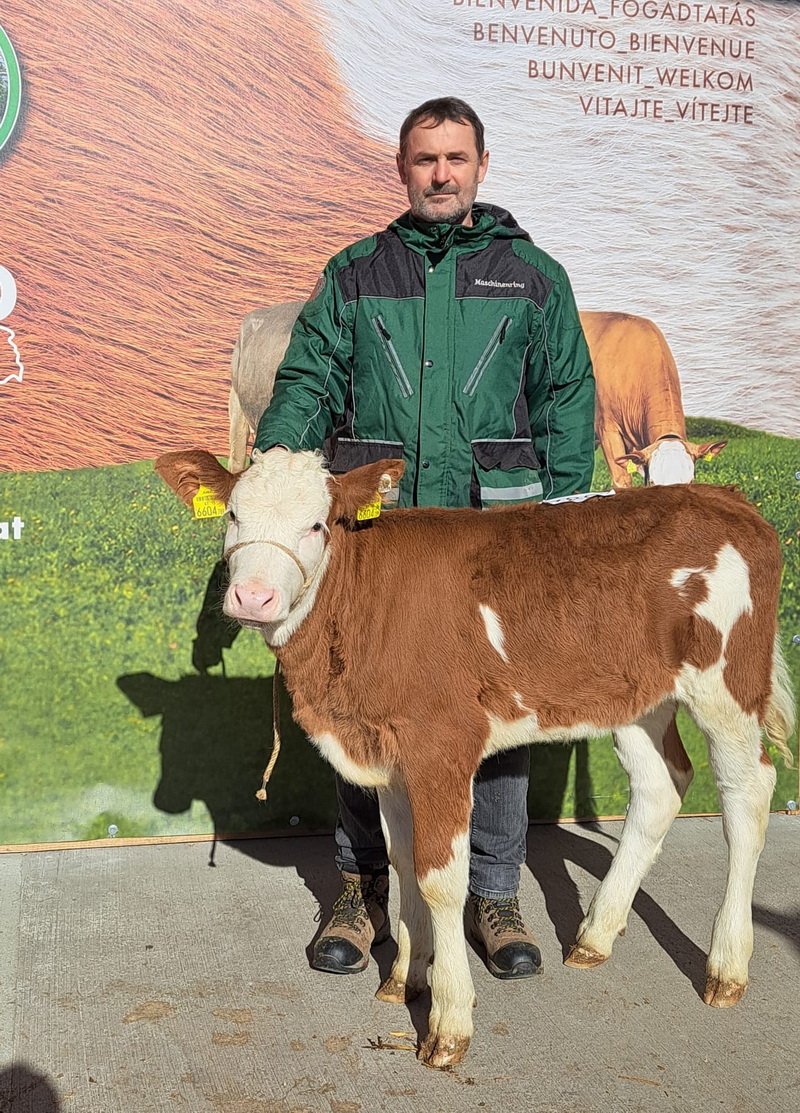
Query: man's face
{"type": "Point", "coordinates": [441, 172]}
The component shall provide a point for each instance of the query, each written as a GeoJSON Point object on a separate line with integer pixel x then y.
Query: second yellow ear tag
{"type": "Point", "coordinates": [631, 468]}
{"type": "Point", "coordinates": [708, 457]}
{"type": "Point", "coordinates": [205, 504]}
{"type": "Point", "coordinates": [371, 510]}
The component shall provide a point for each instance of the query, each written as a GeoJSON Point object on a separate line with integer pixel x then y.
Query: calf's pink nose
{"type": "Point", "coordinates": [252, 601]}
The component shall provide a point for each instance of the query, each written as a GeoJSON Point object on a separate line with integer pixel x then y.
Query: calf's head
{"type": "Point", "coordinates": [283, 513]}
{"type": "Point", "coordinates": [669, 460]}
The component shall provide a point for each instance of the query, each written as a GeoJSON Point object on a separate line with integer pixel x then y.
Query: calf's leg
{"type": "Point", "coordinates": [745, 779]}
{"type": "Point", "coordinates": [441, 803]}
{"type": "Point", "coordinates": [409, 974]}
{"type": "Point", "coordinates": [653, 756]}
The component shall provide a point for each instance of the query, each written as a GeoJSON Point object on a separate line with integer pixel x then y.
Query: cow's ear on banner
{"type": "Point", "coordinates": [633, 462]}
{"type": "Point", "coordinates": [363, 486]}
{"type": "Point", "coordinates": [186, 472]}
{"type": "Point", "coordinates": [708, 450]}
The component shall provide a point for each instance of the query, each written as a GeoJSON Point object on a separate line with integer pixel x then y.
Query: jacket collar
{"type": "Point", "coordinates": [488, 222]}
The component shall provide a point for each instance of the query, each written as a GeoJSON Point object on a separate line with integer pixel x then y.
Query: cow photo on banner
{"type": "Point", "coordinates": [173, 178]}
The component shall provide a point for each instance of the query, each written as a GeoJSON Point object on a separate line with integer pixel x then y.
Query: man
{"type": "Point", "coordinates": [450, 340]}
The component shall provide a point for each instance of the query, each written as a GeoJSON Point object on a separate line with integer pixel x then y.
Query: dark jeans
{"type": "Point", "coordinates": [498, 832]}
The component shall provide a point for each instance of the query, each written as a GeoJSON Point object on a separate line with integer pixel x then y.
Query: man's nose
{"type": "Point", "coordinates": [441, 171]}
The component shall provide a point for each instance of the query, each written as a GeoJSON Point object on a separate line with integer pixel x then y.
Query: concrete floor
{"type": "Point", "coordinates": [139, 979]}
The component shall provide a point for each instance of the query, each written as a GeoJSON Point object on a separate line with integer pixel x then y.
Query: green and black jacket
{"type": "Point", "coordinates": [458, 349]}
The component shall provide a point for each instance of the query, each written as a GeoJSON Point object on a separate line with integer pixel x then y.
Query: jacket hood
{"type": "Point", "coordinates": [488, 222]}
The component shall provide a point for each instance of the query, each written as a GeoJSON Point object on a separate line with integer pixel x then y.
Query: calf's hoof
{"type": "Point", "coordinates": [584, 958]}
{"type": "Point", "coordinates": [721, 993]}
{"type": "Point", "coordinates": [440, 1051]}
{"type": "Point", "coordinates": [398, 993]}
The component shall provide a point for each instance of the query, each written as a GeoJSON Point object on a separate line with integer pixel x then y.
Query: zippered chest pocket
{"type": "Point", "coordinates": [392, 357]}
{"type": "Point", "coordinates": [487, 355]}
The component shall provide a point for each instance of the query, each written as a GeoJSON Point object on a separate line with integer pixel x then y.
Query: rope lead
{"type": "Point", "coordinates": [276, 735]}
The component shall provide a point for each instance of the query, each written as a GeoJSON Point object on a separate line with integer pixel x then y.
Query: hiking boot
{"type": "Point", "coordinates": [360, 920]}
{"type": "Point", "coordinates": [497, 925]}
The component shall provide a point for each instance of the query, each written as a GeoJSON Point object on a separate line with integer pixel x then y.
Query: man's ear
{"type": "Point", "coordinates": [361, 486]}
{"type": "Point", "coordinates": [186, 472]}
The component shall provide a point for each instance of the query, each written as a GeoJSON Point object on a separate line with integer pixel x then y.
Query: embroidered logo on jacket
{"type": "Point", "coordinates": [499, 285]}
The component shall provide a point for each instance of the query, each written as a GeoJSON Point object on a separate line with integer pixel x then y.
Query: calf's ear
{"type": "Point", "coordinates": [187, 472]}
{"type": "Point", "coordinates": [361, 486]}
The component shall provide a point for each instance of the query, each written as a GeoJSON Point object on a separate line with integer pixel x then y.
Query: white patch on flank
{"type": "Point", "coordinates": [728, 585]}
{"type": "Point", "coordinates": [681, 575]}
{"type": "Point", "coordinates": [670, 463]}
{"type": "Point", "coordinates": [494, 630]}
{"type": "Point", "coordinates": [728, 599]}
{"type": "Point", "coordinates": [728, 592]}
{"type": "Point", "coordinates": [505, 736]}
{"type": "Point", "coordinates": [332, 750]}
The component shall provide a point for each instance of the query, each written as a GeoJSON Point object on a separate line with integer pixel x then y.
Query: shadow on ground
{"type": "Point", "coordinates": [552, 847]}
{"type": "Point", "coordinates": [23, 1090]}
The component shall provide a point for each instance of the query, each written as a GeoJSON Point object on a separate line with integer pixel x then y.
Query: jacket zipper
{"type": "Point", "coordinates": [498, 336]}
{"type": "Point", "coordinates": [394, 359]}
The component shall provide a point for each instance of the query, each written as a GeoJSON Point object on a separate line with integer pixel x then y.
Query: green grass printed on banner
{"type": "Point", "coordinates": [106, 721]}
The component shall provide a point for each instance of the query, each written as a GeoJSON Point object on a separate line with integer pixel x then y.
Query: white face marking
{"type": "Point", "coordinates": [670, 463]}
{"type": "Point", "coordinates": [333, 752]}
{"type": "Point", "coordinates": [494, 630]}
{"type": "Point", "coordinates": [281, 498]}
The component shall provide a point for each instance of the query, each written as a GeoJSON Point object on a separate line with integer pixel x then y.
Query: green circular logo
{"type": "Point", "coordinates": [10, 88]}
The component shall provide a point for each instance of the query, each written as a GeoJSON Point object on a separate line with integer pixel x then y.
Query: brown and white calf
{"type": "Point", "coordinates": [422, 641]}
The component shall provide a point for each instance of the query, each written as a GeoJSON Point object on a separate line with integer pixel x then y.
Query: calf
{"type": "Point", "coordinates": [418, 643]}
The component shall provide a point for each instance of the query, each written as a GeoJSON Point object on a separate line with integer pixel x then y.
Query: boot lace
{"type": "Point", "coordinates": [503, 915]}
{"type": "Point", "coordinates": [350, 907]}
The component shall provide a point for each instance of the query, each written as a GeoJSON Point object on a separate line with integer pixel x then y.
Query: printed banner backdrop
{"type": "Point", "coordinates": [167, 167]}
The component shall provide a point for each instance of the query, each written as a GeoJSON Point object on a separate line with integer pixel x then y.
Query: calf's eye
{"type": "Point", "coordinates": [317, 526]}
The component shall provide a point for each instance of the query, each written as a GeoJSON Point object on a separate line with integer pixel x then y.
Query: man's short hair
{"type": "Point", "coordinates": [437, 111]}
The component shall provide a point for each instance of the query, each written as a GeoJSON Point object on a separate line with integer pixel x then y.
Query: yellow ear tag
{"type": "Point", "coordinates": [205, 504]}
{"type": "Point", "coordinates": [631, 468]}
{"type": "Point", "coordinates": [708, 457]}
{"type": "Point", "coordinates": [371, 510]}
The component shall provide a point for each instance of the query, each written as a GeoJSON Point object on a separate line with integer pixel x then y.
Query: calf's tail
{"type": "Point", "coordinates": [780, 717]}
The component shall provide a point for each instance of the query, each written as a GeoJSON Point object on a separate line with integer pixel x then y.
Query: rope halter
{"type": "Point", "coordinates": [308, 578]}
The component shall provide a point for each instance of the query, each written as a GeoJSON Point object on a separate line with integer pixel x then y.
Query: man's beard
{"type": "Point", "coordinates": [423, 209]}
